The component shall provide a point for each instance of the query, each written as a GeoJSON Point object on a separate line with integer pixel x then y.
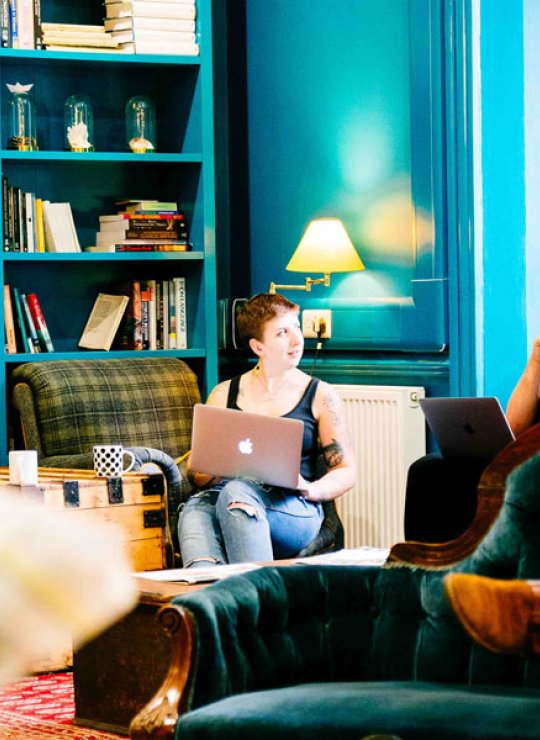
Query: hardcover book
{"type": "Point", "coordinates": [130, 331]}
{"type": "Point", "coordinates": [136, 23]}
{"type": "Point", "coordinates": [20, 327]}
{"type": "Point", "coordinates": [179, 37]}
{"type": "Point", "coordinates": [26, 32]}
{"type": "Point", "coordinates": [181, 317]}
{"type": "Point", "coordinates": [151, 247]}
{"type": "Point", "coordinates": [31, 332]}
{"type": "Point", "coordinates": [9, 322]}
{"type": "Point", "coordinates": [60, 234]}
{"type": "Point", "coordinates": [103, 321]}
{"type": "Point", "coordinates": [42, 329]}
{"type": "Point", "coordinates": [147, 205]}
{"type": "Point", "coordinates": [150, 9]}
{"type": "Point", "coordinates": [166, 47]}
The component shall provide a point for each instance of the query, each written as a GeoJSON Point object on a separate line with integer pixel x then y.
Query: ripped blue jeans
{"type": "Point", "coordinates": [242, 521]}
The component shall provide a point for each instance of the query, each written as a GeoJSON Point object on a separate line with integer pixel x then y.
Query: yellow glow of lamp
{"type": "Point", "coordinates": [324, 247]}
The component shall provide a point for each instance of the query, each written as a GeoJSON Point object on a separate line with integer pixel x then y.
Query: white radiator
{"type": "Point", "coordinates": [388, 432]}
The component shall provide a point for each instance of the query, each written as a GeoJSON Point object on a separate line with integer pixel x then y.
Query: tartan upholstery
{"type": "Point", "coordinates": [67, 406]}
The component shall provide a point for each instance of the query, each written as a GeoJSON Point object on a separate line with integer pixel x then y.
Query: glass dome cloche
{"type": "Point", "coordinates": [140, 124]}
{"type": "Point", "coordinates": [78, 124]}
{"type": "Point", "coordinates": [22, 129]}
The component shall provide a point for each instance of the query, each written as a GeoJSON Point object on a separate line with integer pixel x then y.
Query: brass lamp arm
{"type": "Point", "coordinates": [309, 282]}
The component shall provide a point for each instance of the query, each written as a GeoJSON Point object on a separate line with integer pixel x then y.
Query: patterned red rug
{"type": "Point", "coordinates": [43, 707]}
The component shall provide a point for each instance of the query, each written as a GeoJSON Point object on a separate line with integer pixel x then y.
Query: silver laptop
{"type": "Point", "coordinates": [237, 444]}
{"type": "Point", "coordinates": [473, 428]}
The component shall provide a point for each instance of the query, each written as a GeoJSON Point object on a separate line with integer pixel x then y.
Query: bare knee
{"type": "Point", "coordinates": [249, 509]}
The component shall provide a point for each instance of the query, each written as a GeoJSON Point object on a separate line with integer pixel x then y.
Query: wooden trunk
{"type": "Point", "coordinates": [135, 503]}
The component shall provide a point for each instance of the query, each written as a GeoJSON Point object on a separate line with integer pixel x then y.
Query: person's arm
{"type": "Point", "coordinates": [522, 406]}
{"type": "Point", "coordinates": [217, 397]}
{"type": "Point", "coordinates": [336, 448]}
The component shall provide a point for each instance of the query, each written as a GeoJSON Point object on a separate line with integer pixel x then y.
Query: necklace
{"type": "Point", "coordinates": [260, 376]}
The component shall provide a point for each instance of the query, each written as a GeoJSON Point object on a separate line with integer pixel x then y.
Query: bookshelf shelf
{"type": "Point", "coordinates": [38, 55]}
{"type": "Point", "coordinates": [182, 169]}
{"type": "Point", "coordinates": [186, 354]}
{"type": "Point", "coordinates": [59, 156]}
{"type": "Point", "coordinates": [103, 257]}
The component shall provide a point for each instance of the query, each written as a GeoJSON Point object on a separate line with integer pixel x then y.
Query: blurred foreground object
{"type": "Point", "coordinates": [55, 578]}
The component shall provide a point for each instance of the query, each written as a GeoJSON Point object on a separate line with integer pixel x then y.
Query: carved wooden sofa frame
{"type": "Point", "coordinates": [159, 717]}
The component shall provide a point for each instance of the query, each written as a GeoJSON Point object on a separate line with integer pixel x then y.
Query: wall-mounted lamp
{"type": "Point", "coordinates": [324, 247]}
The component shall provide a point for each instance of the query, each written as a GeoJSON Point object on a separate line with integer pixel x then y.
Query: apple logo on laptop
{"type": "Point", "coordinates": [468, 428]}
{"type": "Point", "coordinates": [245, 446]}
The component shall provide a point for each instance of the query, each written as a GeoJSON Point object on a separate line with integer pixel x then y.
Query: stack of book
{"type": "Point", "coordinates": [24, 323]}
{"type": "Point", "coordinates": [32, 224]}
{"type": "Point", "coordinates": [75, 37]}
{"type": "Point", "coordinates": [154, 26]}
{"type": "Point", "coordinates": [143, 226]}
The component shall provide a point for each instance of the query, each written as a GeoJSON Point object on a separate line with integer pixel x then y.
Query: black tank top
{"type": "Point", "coordinates": [302, 411]}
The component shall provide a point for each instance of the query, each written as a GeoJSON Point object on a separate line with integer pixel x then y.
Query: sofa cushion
{"type": "Point", "coordinates": [414, 711]}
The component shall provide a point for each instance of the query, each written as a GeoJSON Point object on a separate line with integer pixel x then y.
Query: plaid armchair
{"type": "Point", "coordinates": [67, 406]}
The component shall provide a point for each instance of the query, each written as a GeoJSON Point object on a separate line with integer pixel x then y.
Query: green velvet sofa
{"type": "Point", "coordinates": [317, 652]}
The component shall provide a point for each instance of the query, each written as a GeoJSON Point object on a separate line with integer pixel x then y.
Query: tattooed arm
{"type": "Point", "coordinates": [336, 448]}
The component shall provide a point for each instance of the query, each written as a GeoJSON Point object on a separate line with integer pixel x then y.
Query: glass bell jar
{"type": "Point", "coordinates": [140, 125]}
{"type": "Point", "coordinates": [78, 124]}
{"type": "Point", "coordinates": [22, 131]}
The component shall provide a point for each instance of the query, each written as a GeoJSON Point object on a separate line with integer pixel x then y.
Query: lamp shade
{"type": "Point", "coordinates": [325, 247]}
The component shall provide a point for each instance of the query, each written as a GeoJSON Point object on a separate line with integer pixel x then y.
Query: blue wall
{"type": "Point", "coordinates": [502, 324]}
{"type": "Point", "coordinates": [343, 116]}
{"type": "Point", "coordinates": [358, 114]}
{"type": "Point", "coordinates": [531, 10]}
{"type": "Point", "coordinates": [329, 134]}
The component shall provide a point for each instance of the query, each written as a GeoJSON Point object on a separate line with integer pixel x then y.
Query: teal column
{"type": "Point", "coordinates": [531, 16]}
{"type": "Point", "coordinates": [501, 283]}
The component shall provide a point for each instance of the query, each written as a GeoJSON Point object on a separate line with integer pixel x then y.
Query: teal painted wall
{"type": "Point", "coordinates": [531, 15]}
{"type": "Point", "coordinates": [332, 123]}
{"type": "Point", "coordinates": [503, 325]}
{"type": "Point", "coordinates": [341, 122]}
{"type": "Point", "coordinates": [329, 134]}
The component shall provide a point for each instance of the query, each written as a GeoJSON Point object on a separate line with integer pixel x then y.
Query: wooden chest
{"type": "Point", "coordinates": [135, 503]}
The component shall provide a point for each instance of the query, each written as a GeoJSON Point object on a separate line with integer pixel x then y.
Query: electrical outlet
{"type": "Point", "coordinates": [311, 324]}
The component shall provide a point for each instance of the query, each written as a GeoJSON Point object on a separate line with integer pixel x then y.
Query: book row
{"type": "Point", "coordinates": [20, 24]}
{"type": "Point", "coordinates": [25, 326]}
{"type": "Point", "coordinates": [168, 27]}
{"type": "Point", "coordinates": [144, 314]}
{"type": "Point", "coordinates": [31, 224]}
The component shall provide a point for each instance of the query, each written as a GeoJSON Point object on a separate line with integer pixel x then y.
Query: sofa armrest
{"type": "Point", "coordinates": [158, 718]}
{"type": "Point", "coordinates": [83, 461]}
{"type": "Point", "coordinates": [23, 401]}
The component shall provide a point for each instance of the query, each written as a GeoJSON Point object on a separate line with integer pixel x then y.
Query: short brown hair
{"type": "Point", "coordinates": [258, 310]}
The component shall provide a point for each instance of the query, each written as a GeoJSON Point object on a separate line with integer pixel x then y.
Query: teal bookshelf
{"type": "Point", "coordinates": [182, 169]}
